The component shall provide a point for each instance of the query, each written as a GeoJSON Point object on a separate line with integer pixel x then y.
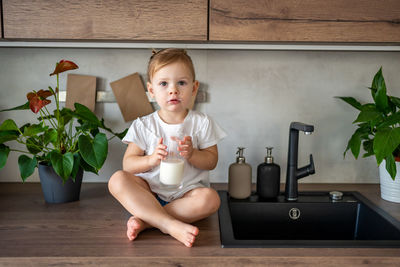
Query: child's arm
{"type": "Point", "coordinates": [136, 162]}
{"type": "Point", "coordinates": [205, 159]}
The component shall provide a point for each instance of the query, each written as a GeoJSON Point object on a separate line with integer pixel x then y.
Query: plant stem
{"type": "Point", "coordinates": [78, 133]}
{"type": "Point", "coordinates": [41, 115]}
{"type": "Point", "coordinates": [69, 135]}
{"type": "Point", "coordinates": [49, 118]}
{"type": "Point", "coordinates": [41, 148]}
{"type": "Point", "coordinates": [20, 132]}
{"type": "Point", "coordinates": [58, 96]}
{"type": "Point", "coordinates": [59, 141]}
{"type": "Point", "coordinates": [73, 145]}
{"type": "Point", "coordinates": [42, 112]}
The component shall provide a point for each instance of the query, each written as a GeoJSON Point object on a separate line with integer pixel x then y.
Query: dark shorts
{"type": "Point", "coordinates": [162, 202]}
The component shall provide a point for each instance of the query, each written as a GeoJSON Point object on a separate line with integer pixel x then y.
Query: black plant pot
{"type": "Point", "coordinates": [54, 190]}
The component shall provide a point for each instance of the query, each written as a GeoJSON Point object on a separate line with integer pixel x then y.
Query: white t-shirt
{"type": "Point", "coordinates": [145, 133]}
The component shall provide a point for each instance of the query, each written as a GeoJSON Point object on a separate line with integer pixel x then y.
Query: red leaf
{"type": "Point", "coordinates": [64, 65]}
{"type": "Point", "coordinates": [37, 100]}
{"type": "Point", "coordinates": [30, 95]}
{"type": "Point", "coordinates": [44, 93]}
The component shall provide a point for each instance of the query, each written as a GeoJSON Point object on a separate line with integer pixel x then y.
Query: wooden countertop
{"type": "Point", "coordinates": [92, 232]}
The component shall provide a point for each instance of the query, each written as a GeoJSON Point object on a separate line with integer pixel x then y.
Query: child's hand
{"type": "Point", "coordinates": [160, 153]}
{"type": "Point", "coordinates": [186, 147]}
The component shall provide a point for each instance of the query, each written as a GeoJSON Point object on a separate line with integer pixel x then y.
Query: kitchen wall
{"type": "Point", "coordinates": [253, 95]}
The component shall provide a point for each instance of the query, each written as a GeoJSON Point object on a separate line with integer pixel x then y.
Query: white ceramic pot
{"type": "Point", "coordinates": [390, 190]}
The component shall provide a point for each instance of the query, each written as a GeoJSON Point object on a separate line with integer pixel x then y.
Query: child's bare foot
{"type": "Point", "coordinates": [183, 232]}
{"type": "Point", "coordinates": [134, 227]}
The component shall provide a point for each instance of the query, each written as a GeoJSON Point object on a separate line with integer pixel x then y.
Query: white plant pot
{"type": "Point", "coordinates": [390, 190]}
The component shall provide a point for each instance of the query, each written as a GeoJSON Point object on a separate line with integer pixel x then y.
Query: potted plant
{"type": "Point", "coordinates": [378, 131]}
{"type": "Point", "coordinates": [62, 144]}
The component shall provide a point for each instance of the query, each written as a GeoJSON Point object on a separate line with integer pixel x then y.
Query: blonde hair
{"type": "Point", "coordinates": [164, 57]}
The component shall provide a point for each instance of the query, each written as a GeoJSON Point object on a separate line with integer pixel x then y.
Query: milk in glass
{"type": "Point", "coordinates": [171, 169]}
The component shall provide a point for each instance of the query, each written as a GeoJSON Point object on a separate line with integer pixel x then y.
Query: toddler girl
{"type": "Point", "coordinates": [171, 82]}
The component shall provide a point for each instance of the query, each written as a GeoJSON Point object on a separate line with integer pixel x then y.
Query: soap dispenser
{"type": "Point", "coordinates": [268, 177]}
{"type": "Point", "coordinates": [239, 183]}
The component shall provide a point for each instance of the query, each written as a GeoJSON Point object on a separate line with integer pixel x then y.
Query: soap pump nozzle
{"type": "Point", "coordinates": [269, 158]}
{"type": "Point", "coordinates": [240, 158]}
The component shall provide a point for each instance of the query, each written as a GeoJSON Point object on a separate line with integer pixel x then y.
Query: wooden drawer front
{"type": "Point", "coordinates": [305, 20]}
{"type": "Point", "coordinates": [108, 20]}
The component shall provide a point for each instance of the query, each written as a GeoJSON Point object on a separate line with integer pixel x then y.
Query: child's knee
{"type": "Point", "coordinates": [216, 201]}
{"type": "Point", "coordinates": [210, 200]}
{"type": "Point", "coordinates": [116, 182]}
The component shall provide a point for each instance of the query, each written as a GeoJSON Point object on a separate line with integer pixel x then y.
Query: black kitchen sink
{"type": "Point", "coordinates": [314, 220]}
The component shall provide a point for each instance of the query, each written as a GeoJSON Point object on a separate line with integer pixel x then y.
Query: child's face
{"type": "Point", "coordinates": [173, 87]}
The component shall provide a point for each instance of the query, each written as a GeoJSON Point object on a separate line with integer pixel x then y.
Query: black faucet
{"type": "Point", "coordinates": [293, 173]}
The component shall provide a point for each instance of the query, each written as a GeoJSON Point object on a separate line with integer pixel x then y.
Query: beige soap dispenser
{"type": "Point", "coordinates": [239, 182]}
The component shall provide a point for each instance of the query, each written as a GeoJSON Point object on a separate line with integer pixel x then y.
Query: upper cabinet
{"type": "Point", "coordinates": [305, 21]}
{"type": "Point", "coordinates": [1, 24]}
{"type": "Point", "coordinates": [322, 21]}
{"type": "Point", "coordinates": [106, 20]}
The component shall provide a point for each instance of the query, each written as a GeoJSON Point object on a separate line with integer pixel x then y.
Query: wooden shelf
{"type": "Point", "coordinates": [206, 46]}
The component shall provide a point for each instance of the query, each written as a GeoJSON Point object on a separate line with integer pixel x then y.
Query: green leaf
{"type": "Point", "coordinates": [34, 129]}
{"type": "Point", "coordinates": [94, 131]}
{"type": "Point", "coordinates": [354, 144]}
{"type": "Point", "coordinates": [391, 166]}
{"type": "Point", "coordinates": [350, 100]}
{"type": "Point", "coordinates": [4, 151]}
{"type": "Point", "coordinates": [63, 117]}
{"type": "Point", "coordinates": [22, 107]}
{"type": "Point", "coordinates": [362, 133]}
{"type": "Point", "coordinates": [9, 125]}
{"type": "Point", "coordinates": [50, 136]}
{"type": "Point", "coordinates": [87, 168]}
{"type": "Point", "coordinates": [86, 114]}
{"type": "Point", "coordinates": [86, 126]}
{"type": "Point", "coordinates": [62, 164]}
{"type": "Point", "coordinates": [75, 169]}
{"type": "Point", "coordinates": [93, 151]}
{"type": "Point", "coordinates": [103, 126]}
{"type": "Point", "coordinates": [67, 115]}
{"type": "Point", "coordinates": [376, 82]}
{"type": "Point", "coordinates": [385, 142]}
{"type": "Point", "coordinates": [368, 146]}
{"type": "Point", "coordinates": [45, 158]}
{"type": "Point", "coordinates": [51, 90]}
{"type": "Point", "coordinates": [26, 166]}
{"type": "Point", "coordinates": [393, 119]}
{"type": "Point", "coordinates": [392, 107]}
{"type": "Point", "coordinates": [368, 114]}
{"type": "Point", "coordinates": [119, 135]}
{"type": "Point", "coordinates": [8, 131]}
{"type": "Point", "coordinates": [122, 134]}
{"type": "Point", "coordinates": [395, 101]}
{"type": "Point", "coordinates": [33, 145]}
{"type": "Point", "coordinates": [380, 98]}
{"type": "Point", "coordinates": [21, 129]}
{"type": "Point", "coordinates": [8, 136]}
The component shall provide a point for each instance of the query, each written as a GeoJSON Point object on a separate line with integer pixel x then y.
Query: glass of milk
{"type": "Point", "coordinates": [171, 169]}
